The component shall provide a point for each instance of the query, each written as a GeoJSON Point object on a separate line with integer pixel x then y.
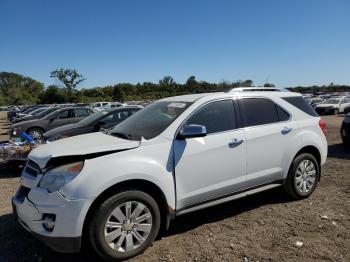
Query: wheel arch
{"type": "Point", "coordinates": [36, 127]}
{"type": "Point", "coordinates": [310, 149]}
{"type": "Point", "coordinates": [134, 184]}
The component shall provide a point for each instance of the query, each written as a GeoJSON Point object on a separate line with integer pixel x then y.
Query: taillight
{"type": "Point", "coordinates": [323, 126]}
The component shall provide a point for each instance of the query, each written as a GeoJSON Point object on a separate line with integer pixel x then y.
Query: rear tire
{"type": "Point", "coordinates": [124, 225]}
{"type": "Point", "coordinates": [346, 141]}
{"type": "Point", "coordinates": [303, 175]}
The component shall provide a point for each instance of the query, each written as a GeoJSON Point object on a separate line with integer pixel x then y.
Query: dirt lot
{"type": "Point", "coordinates": [264, 227]}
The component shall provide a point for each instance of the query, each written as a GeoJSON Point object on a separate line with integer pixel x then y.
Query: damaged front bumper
{"type": "Point", "coordinates": [33, 205]}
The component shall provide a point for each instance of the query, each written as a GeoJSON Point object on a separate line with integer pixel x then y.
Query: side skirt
{"type": "Point", "coordinates": [224, 199]}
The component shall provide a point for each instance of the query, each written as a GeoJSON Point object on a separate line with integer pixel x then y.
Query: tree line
{"type": "Point", "coordinates": [16, 89]}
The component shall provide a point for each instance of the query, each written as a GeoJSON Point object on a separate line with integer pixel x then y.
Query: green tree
{"type": "Point", "coordinates": [54, 95]}
{"type": "Point", "coordinates": [70, 78]}
{"type": "Point", "coordinates": [167, 85]}
{"type": "Point", "coordinates": [118, 93]}
{"type": "Point", "coordinates": [17, 89]}
{"type": "Point", "coordinates": [246, 83]}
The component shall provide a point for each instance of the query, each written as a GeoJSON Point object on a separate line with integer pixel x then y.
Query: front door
{"type": "Point", "coordinates": [213, 166]}
{"type": "Point", "coordinates": [62, 118]}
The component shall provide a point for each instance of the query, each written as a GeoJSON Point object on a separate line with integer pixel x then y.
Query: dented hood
{"type": "Point", "coordinates": [82, 145]}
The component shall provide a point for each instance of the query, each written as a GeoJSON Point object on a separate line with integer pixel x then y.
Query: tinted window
{"type": "Point", "coordinates": [81, 112]}
{"type": "Point", "coordinates": [282, 114]}
{"type": "Point", "coordinates": [64, 114]}
{"type": "Point", "coordinates": [301, 104]}
{"type": "Point", "coordinates": [257, 111]}
{"type": "Point", "coordinates": [116, 117]}
{"type": "Point", "coordinates": [216, 117]}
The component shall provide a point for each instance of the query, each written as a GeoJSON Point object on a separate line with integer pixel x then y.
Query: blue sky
{"type": "Point", "coordinates": [293, 42]}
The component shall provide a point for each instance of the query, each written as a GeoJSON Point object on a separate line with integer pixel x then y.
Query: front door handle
{"type": "Point", "coordinates": [286, 130]}
{"type": "Point", "coordinates": [235, 142]}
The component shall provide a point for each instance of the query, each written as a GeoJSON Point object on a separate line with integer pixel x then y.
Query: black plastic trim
{"type": "Point", "coordinates": [228, 195]}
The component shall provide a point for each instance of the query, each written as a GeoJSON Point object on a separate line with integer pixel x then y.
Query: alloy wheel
{"type": "Point", "coordinates": [128, 226]}
{"type": "Point", "coordinates": [305, 176]}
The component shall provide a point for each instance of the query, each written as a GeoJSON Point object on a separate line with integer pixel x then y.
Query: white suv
{"type": "Point", "coordinates": [334, 105]}
{"type": "Point", "coordinates": [178, 155]}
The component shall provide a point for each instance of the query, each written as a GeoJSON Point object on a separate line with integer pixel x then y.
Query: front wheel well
{"type": "Point", "coordinates": [136, 184]}
{"type": "Point", "coordinates": [35, 127]}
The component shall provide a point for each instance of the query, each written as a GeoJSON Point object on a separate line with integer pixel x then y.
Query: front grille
{"type": "Point", "coordinates": [22, 193]}
{"type": "Point", "coordinates": [32, 168]}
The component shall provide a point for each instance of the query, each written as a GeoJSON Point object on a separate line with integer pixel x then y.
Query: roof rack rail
{"type": "Point", "coordinates": [252, 89]}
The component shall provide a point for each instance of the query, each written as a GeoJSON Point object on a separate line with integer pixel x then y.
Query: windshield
{"type": "Point", "coordinates": [91, 118]}
{"type": "Point", "coordinates": [332, 101]}
{"type": "Point", "coordinates": [151, 121]}
{"type": "Point", "coordinates": [46, 112]}
{"type": "Point", "coordinates": [38, 111]}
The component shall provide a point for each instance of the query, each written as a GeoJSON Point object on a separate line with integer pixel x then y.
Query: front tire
{"type": "Point", "coordinates": [36, 133]}
{"type": "Point", "coordinates": [124, 225]}
{"type": "Point", "coordinates": [303, 175]}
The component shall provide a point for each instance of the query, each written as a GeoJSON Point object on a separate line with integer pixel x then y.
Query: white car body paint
{"type": "Point", "coordinates": [188, 172]}
{"type": "Point", "coordinates": [344, 102]}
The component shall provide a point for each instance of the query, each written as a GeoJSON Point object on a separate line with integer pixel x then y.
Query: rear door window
{"type": "Point", "coordinates": [300, 103]}
{"type": "Point", "coordinates": [81, 112]}
{"type": "Point", "coordinates": [258, 111]}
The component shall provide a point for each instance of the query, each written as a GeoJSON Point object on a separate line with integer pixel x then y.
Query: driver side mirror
{"type": "Point", "coordinates": [192, 131]}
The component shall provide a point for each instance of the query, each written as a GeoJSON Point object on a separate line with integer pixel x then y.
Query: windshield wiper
{"type": "Point", "coordinates": [121, 135]}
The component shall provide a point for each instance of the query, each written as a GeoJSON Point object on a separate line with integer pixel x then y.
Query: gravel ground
{"type": "Point", "coordinates": [263, 227]}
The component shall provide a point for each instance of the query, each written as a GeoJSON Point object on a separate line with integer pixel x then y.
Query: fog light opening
{"type": "Point", "coordinates": [49, 222]}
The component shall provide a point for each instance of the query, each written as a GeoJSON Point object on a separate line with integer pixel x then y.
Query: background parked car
{"type": "Point", "coordinates": [103, 119]}
{"type": "Point", "coordinates": [345, 130]}
{"type": "Point", "coordinates": [37, 127]}
{"type": "Point", "coordinates": [100, 105]}
{"type": "Point", "coordinates": [113, 105]}
{"type": "Point", "coordinates": [334, 105]}
{"type": "Point", "coordinates": [20, 112]}
{"type": "Point", "coordinates": [315, 101]}
{"type": "Point", "coordinates": [347, 110]}
{"type": "Point", "coordinates": [39, 115]}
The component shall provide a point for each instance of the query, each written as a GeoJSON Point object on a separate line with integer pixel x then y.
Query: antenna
{"type": "Point", "coordinates": [267, 79]}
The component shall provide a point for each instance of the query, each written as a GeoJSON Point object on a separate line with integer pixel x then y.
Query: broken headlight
{"type": "Point", "coordinates": [57, 177]}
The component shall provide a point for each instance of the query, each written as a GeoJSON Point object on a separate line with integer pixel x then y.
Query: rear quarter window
{"type": "Point", "coordinates": [300, 103]}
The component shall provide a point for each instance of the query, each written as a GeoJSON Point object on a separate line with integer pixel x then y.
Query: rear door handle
{"type": "Point", "coordinates": [235, 142]}
{"type": "Point", "coordinates": [286, 130]}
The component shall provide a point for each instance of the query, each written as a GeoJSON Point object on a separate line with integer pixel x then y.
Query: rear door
{"type": "Point", "coordinates": [269, 133]}
{"type": "Point", "coordinates": [78, 114]}
{"type": "Point", "coordinates": [213, 166]}
{"type": "Point", "coordinates": [344, 103]}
